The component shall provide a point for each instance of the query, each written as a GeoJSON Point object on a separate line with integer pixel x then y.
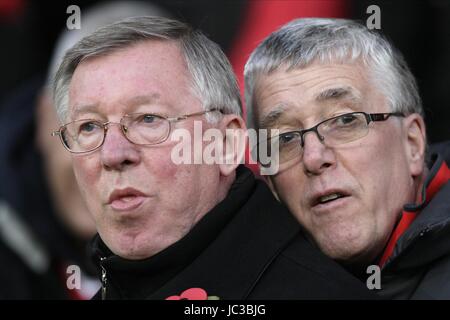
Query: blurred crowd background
{"type": "Point", "coordinates": [44, 226]}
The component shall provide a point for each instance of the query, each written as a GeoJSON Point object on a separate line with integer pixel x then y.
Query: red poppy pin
{"type": "Point", "coordinates": [193, 294]}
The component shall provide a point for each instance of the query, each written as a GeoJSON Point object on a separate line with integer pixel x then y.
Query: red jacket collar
{"type": "Point", "coordinates": [439, 175]}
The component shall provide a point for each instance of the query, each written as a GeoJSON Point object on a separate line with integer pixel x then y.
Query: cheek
{"type": "Point", "coordinates": [87, 173]}
{"type": "Point", "coordinates": [383, 169]}
{"type": "Point", "coordinates": [159, 167]}
{"type": "Point", "coordinates": [175, 182]}
{"type": "Point", "coordinates": [289, 186]}
{"type": "Point", "coordinates": [381, 173]}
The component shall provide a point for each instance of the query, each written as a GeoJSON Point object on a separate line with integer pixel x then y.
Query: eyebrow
{"type": "Point", "coordinates": [337, 93]}
{"type": "Point", "coordinates": [143, 99]}
{"type": "Point", "coordinates": [272, 117]}
{"type": "Point", "coordinates": [83, 109]}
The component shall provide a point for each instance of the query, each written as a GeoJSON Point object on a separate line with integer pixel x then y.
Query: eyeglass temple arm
{"type": "Point", "coordinates": [192, 115]}
{"type": "Point", "coordinates": [384, 116]}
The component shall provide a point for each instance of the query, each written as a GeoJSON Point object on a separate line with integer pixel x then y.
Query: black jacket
{"type": "Point", "coordinates": [247, 247]}
{"type": "Point", "coordinates": [419, 265]}
{"type": "Point", "coordinates": [35, 247]}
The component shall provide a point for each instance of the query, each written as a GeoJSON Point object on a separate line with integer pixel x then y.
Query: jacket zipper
{"type": "Point", "coordinates": [104, 279]}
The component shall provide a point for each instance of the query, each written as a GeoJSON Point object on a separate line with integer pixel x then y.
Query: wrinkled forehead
{"type": "Point", "coordinates": [318, 88]}
{"type": "Point", "coordinates": [152, 73]}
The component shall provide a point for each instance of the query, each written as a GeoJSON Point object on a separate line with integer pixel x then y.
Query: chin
{"type": "Point", "coordinates": [130, 246]}
{"type": "Point", "coordinates": [132, 252]}
{"type": "Point", "coordinates": [346, 249]}
{"type": "Point", "coordinates": [133, 255]}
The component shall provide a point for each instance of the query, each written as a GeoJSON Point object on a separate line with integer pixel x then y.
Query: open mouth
{"type": "Point", "coordinates": [328, 198]}
{"type": "Point", "coordinates": [126, 199]}
{"type": "Point", "coordinates": [127, 203]}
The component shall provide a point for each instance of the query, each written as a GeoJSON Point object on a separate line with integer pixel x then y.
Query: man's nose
{"type": "Point", "coordinates": [117, 152]}
{"type": "Point", "coordinates": [317, 157]}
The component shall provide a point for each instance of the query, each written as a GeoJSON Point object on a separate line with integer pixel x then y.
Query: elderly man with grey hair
{"type": "Point", "coordinates": [351, 150]}
{"type": "Point", "coordinates": [169, 230]}
{"type": "Point", "coordinates": [44, 225]}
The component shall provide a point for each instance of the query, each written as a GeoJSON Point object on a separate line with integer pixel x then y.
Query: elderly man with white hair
{"type": "Point", "coordinates": [351, 150]}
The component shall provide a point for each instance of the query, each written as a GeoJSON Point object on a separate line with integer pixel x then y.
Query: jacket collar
{"type": "Point", "coordinates": [431, 214]}
{"type": "Point", "coordinates": [232, 265]}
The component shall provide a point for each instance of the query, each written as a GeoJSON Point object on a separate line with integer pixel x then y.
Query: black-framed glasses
{"type": "Point", "coordinates": [86, 135]}
{"type": "Point", "coordinates": [334, 131]}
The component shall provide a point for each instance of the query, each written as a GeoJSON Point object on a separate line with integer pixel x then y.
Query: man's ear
{"type": "Point", "coordinates": [415, 138]}
{"type": "Point", "coordinates": [234, 142]}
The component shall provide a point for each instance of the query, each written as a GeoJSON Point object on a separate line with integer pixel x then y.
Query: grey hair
{"type": "Point", "coordinates": [99, 15]}
{"type": "Point", "coordinates": [302, 42]}
{"type": "Point", "coordinates": [213, 80]}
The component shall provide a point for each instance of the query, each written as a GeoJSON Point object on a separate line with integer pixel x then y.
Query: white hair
{"type": "Point", "coordinates": [305, 41]}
